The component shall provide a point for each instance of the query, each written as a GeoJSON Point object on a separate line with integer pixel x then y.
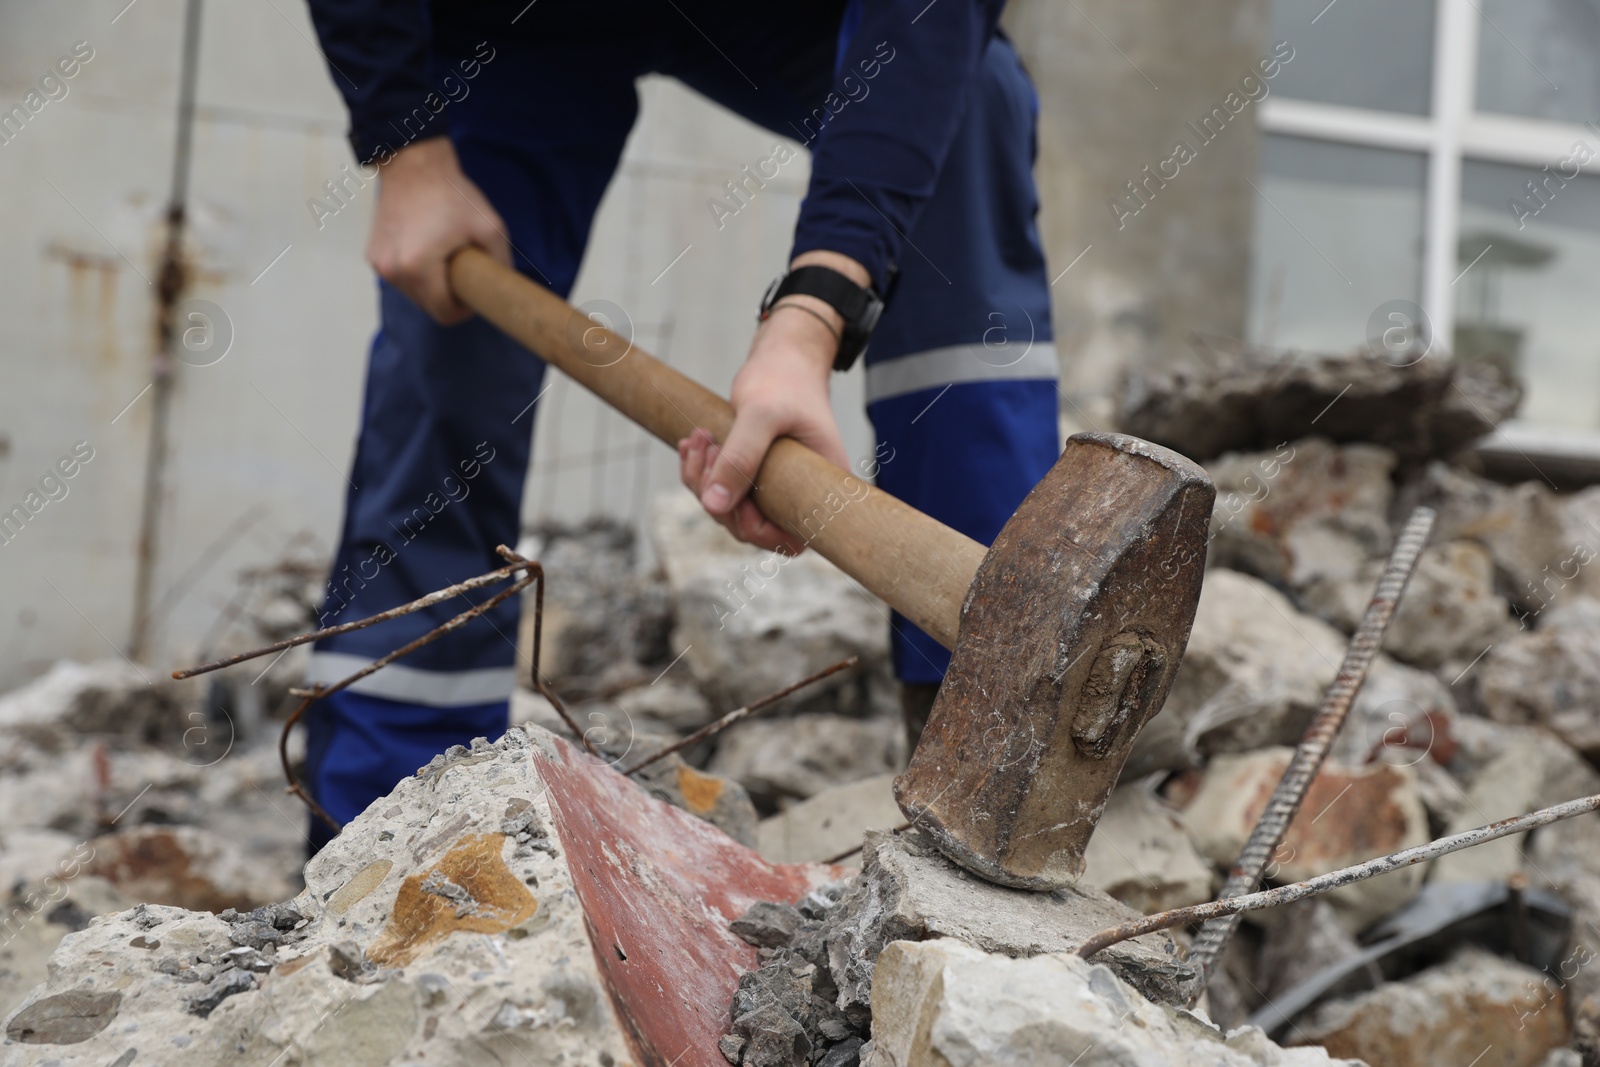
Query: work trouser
{"type": "Point", "coordinates": [960, 374]}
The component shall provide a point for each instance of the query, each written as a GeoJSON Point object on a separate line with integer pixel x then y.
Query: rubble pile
{"type": "Point", "coordinates": [524, 902]}
{"type": "Point", "coordinates": [118, 790]}
{"type": "Point", "coordinates": [756, 897]}
{"type": "Point", "coordinates": [1482, 705]}
{"type": "Point", "coordinates": [1243, 399]}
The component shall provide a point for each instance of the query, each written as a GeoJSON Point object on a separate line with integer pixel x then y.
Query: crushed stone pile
{"type": "Point", "coordinates": [756, 899]}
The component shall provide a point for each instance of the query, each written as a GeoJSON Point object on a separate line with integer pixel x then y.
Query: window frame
{"type": "Point", "coordinates": [1452, 133]}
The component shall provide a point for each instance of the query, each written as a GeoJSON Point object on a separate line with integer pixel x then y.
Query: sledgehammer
{"type": "Point", "coordinates": [1065, 634]}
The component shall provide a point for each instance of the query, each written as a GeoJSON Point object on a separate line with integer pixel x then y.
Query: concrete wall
{"type": "Point", "coordinates": [261, 439]}
{"type": "Point", "coordinates": [1119, 80]}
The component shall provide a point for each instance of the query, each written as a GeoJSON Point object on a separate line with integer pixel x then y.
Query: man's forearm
{"type": "Point", "coordinates": [903, 90]}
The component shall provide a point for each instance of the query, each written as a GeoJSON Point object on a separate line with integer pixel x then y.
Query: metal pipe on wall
{"type": "Point", "coordinates": [172, 280]}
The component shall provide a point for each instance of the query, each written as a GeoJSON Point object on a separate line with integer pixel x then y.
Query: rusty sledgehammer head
{"type": "Point", "coordinates": [1070, 636]}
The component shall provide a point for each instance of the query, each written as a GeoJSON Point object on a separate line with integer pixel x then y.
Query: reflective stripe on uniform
{"type": "Point", "coordinates": [956, 364]}
{"type": "Point", "coordinates": [440, 689]}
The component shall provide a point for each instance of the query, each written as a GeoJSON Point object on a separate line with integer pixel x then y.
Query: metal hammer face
{"type": "Point", "coordinates": [1070, 637]}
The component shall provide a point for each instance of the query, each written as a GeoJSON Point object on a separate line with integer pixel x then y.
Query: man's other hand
{"type": "Point", "coordinates": [781, 391]}
{"type": "Point", "coordinates": [428, 209]}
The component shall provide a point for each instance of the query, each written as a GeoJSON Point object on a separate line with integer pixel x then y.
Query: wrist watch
{"type": "Point", "coordinates": [859, 306]}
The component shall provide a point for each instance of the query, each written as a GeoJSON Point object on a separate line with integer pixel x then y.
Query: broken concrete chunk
{"type": "Point", "coordinates": [1401, 715]}
{"type": "Point", "coordinates": [1522, 526]}
{"type": "Point", "coordinates": [1477, 1006]}
{"type": "Point", "coordinates": [732, 1048]}
{"type": "Point", "coordinates": [1531, 769]}
{"type": "Point", "coordinates": [831, 822]}
{"type": "Point", "coordinates": [674, 705]}
{"type": "Point", "coordinates": [1549, 678]}
{"type": "Point", "coordinates": [1256, 671]}
{"type": "Point", "coordinates": [1449, 613]}
{"type": "Point", "coordinates": [1442, 795]}
{"type": "Point", "coordinates": [752, 621]}
{"type": "Point", "coordinates": [784, 1013]}
{"type": "Point", "coordinates": [1250, 398]}
{"type": "Point", "coordinates": [185, 866]}
{"type": "Point", "coordinates": [1581, 530]}
{"type": "Point", "coordinates": [908, 891]}
{"type": "Point", "coordinates": [109, 697]}
{"type": "Point", "coordinates": [521, 951]}
{"type": "Point", "coordinates": [1253, 675]}
{"type": "Point", "coordinates": [1141, 854]}
{"type": "Point", "coordinates": [1577, 612]}
{"type": "Point", "coordinates": [799, 757]}
{"type": "Point", "coordinates": [845, 1054]}
{"type": "Point", "coordinates": [719, 800]}
{"type": "Point", "coordinates": [1348, 815]}
{"type": "Point", "coordinates": [1306, 512]}
{"type": "Point", "coordinates": [767, 924]}
{"type": "Point", "coordinates": [603, 620]}
{"type": "Point", "coordinates": [773, 1037]}
{"type": "Point", "coordinates": [949, 1003]}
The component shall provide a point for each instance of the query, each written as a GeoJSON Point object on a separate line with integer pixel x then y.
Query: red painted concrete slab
{"type": "Point", "coordinates": [658, 888]}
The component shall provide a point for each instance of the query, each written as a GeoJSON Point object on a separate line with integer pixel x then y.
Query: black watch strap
{"type": "Point", "coordinates": [859, 307]}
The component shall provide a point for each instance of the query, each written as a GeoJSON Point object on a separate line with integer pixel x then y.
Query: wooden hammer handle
{"type": "Point", "coordinates": [918, 565]}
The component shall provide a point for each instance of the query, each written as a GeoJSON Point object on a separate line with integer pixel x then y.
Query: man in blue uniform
{"type": "Point", "coordinates": [499, 124]}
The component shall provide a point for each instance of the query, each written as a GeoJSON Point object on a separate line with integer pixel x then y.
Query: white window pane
{"type": "Point", "coordinates": [1533, 298]}
{"type": "Point", "coordinates": [1538, 58]}
{"type": "Point", "coordinates": [1360, 53]}
{"type": "Point", "coordinates": [1338, 232]}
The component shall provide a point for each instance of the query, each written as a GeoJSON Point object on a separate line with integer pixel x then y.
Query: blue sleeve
{"type": "Point", "coordinates": [378, 52]}
{"type": "Point", "coordinates": [904, 80]}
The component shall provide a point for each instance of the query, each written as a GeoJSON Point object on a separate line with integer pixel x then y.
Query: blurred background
{"type": "Point", "coordinates": [1436, 154]}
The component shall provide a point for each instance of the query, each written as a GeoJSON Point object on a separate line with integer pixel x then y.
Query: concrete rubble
{"type": "Point", "coordinates": [1524, 527]}
{"type": "Point", "coordinates": [908, 891]}
{"type": "Point", "coordinates": [1241, 399]}
{"type": "Point", "coordinates": [799, 757]}
{"type": "Point", "coordinates": [1529, 769]}
{"type": "Point", "coordinates": [521, 901]}
{"type": "Point", "coordinates": [1476, 1006]}
{"type": "Point", "coordinates": [1255, 672]}
{"type": "Point", "coordinates": [1549, 678]}
{"type": "Point", "coordinates": [952, 1004]}
{"type": "Point", "coordinates": [1449, 614]}
{"type": "Point", "coordinates": [752, 622]}
{"type": "Point", "coordinates": [364, 966]}
{"type": "Point", "coordinates": [1350, 814]}
{"type": "Point", "coordinates": [1143, 854]}
{"type": "Point", "coordinates": [832, 822]}
{"type": "Point", "coordinates": [1303, 514]}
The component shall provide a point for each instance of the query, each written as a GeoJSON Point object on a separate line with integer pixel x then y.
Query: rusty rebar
{"type": "Point", "coordinates": [1322, 883]}
{"type": "Point", "coordinates": [1313, 748]}
{"type": "Point", "coordinates": [738, 714]}
{"type": "Point", "coordinates": [534, 573]}
{"type": "Point", "coordinates": [539, 683]}
{"type": "Point", "coordinates": [372, 620]}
